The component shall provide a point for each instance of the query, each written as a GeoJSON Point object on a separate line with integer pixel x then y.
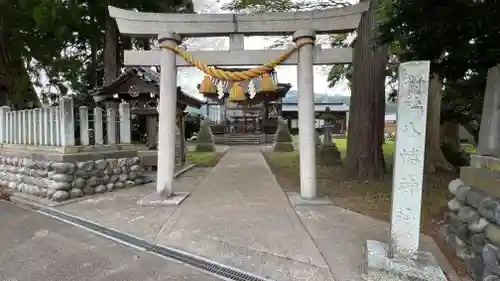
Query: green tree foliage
{"type": "Point", "coordinates": [32, 35]}
{"type": "Point", "coordinates": [339, 72]}
{"type": "Point", "coordinates": [193, 123]}
{"type": "Point", "coordinates": [262, 6]}
{"type": "Point", "coordinates": [459, 37]}
{"type": "Point", "coordinates": [60, 41]}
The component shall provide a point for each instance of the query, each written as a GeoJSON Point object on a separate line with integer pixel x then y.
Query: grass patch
{"type": "Point", "coordinates": [341, 143]}
{"type": "Point", "coordinates": [204, 159]}
{"type": "Point", "coordinates": [468, 147]}
{"type": "Point", "coordinates": [370, 198]}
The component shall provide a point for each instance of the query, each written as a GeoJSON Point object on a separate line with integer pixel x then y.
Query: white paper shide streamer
{"type": "Point", "coordinates": [220, 89]}
{"type": "Point", "coordinates": [251, 89]}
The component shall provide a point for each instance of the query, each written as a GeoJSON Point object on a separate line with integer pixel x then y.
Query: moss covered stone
{"type": "Point", "coordinates": [284, 141]}
{"type": "Point", "coordinates": [329, 155]}
{"type": "Point", "coordinates": [205, 138]}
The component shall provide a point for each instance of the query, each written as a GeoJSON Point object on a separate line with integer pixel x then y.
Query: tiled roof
{"type": "Point", "coordinates": [146, 74]}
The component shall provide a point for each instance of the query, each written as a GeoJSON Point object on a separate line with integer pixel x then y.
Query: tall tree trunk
{"type": "Point", "coordinates": [16, 88]}
{"type": "Point", "coordinates": [450, 134]}
{"type": "Point", "coordinates": [365, 158]}
{"type": "Point", "coordinates": [147, 44]}
{"type": "Point", "coordinates": [22, 87]}
{"type": "Point", "coordinates": [111, 57]}
{"type": "Point", "coordinates": [124, 43]}
{"type": "Point", "coordinates": [93, 61]}
{"type": "Point", "coordinates": [434, 157]}
{"type": "Point", "coordinates": [5, 78]}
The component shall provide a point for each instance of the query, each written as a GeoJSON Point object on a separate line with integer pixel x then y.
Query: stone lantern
{"type": "Point", "coordinates": [328, 152]}
{"type": "Point", "coordinates": [329, 118]}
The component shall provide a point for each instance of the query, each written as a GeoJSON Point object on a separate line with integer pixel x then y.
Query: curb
{"type": "Point", "coordinates": [183, 170]}
{"type": "Point", "coordinates": [26, 203]}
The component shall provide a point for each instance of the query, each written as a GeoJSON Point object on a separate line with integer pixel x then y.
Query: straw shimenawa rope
{"type": "Point", "coordinates": [236, 76]}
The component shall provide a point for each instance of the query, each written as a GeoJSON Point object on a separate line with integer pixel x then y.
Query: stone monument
{"type": "Point", "coordinates": [489, 133]}
{"type": "Point", "coordinates": [484, 169]}
{"type": "Point", "coordinates": [401, 259]}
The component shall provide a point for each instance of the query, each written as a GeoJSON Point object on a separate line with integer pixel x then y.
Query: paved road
{"type": "Point", "coordinates": [35, 247]}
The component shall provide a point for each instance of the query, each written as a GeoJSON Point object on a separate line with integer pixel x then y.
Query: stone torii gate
{"type": "Point", "coordinates": [170, 29]}
{"type": "Point", "coordinates": [398, 260]}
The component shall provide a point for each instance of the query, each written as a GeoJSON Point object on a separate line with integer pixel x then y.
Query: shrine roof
{"type": "Point", "coordinates": [146, 82]}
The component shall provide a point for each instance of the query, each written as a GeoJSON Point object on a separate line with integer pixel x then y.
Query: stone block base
{"type": "Point", "coordinates": [483, 161]}
{"type": "Point", "coordinates": [283, 147]}
{"type": "Point", "coordinates": [70, 154]}
{"type": "Point", "coordinates": [155, 199]}
{"type": "Point", "coordinates": [482, 178]}
{"type": "Point", "coordinates": [377, 266]}
{"type": "Point", "coordinates": [296, 199]}
{"type": "Point", "coordinates": [60, 181]}
{"type": "Point", "coordinates": [329, 155]}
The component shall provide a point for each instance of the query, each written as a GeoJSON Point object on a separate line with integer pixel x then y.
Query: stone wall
{"type": "Point", "coordinates": [60, 181]}
{"type": "Point", "coordinates": [472, 228]}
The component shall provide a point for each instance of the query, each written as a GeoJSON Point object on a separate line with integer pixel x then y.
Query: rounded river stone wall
{"type": "Point", "coordinates": [60, 181]}
{"type": "Point", "coordinates": [472, 229]}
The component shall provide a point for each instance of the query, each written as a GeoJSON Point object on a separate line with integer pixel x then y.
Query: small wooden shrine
{"type": "Point", "coordinates": [246, 107]}
{"type": "Point", "coordinates": [139, 86]}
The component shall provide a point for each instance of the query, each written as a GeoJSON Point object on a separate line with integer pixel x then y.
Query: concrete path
{"type": "Point", "coordinates": [237, 215]}
{"type": "Point", "coordinates": [119, 209]}
{"type": "Point", "coordinates": [35, 247]}
{"type": "Point", "coordinates": [340, 234]}
{"type": "Point", "coordinates": [240, 216]}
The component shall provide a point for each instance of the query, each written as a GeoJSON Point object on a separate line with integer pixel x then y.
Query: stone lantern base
{"type": "Point", "coordinates": [329, 155]}
{"type": "Point", "coordinates": [378, 266]}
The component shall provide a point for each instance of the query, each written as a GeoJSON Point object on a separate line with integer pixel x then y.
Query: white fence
{"type": "Point", "coordinates": [55, 125]}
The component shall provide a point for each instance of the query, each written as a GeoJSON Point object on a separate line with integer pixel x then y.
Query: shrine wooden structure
{"type": "Point", "coordinates": [139, 86]}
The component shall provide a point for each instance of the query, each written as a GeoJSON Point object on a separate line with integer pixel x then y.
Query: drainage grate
{"type": "Point", "coordinates": [212, 267]}
{"type": "Point", "coordinates": [180, 256]}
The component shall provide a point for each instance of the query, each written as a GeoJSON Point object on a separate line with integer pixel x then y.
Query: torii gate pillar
{"type": "Point", "coordinates": [307, 122]}
{"type": "Point", "coordinates": [167, 110]}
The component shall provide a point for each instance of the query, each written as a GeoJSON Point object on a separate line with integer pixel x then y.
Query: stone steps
{"type": "Point", "coordinates": [244, 139]}
{"type": "Point", "coordinates": [249, 139]}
